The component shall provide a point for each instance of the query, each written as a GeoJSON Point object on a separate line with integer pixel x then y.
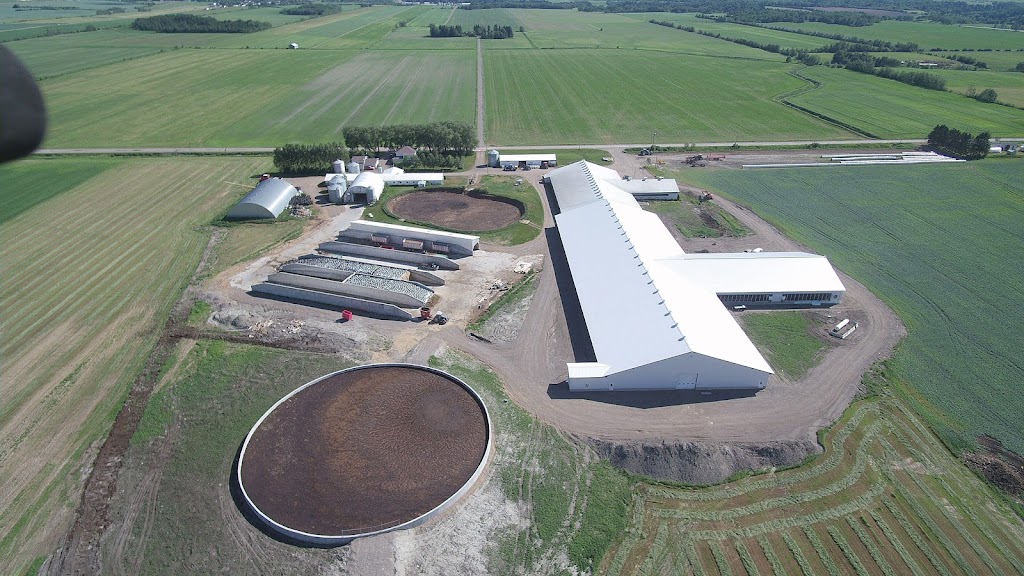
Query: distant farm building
{"type": "Point", "coordinates": [496, 159]}
{"type": "Point", "coordinates": [405, 152]}
{"type": "Point", "coordinates": [632, 277]}
{"type": "Point", "coordinates": [351, 186]}
{"type": "Point", "coordinates": [646, 189]}
{"type": "Point", "coordinates": [367, 162]}
{"type": "Point", "coordinates": [267, 200]}
{"type": "Point", "coordinates": [293, 46]}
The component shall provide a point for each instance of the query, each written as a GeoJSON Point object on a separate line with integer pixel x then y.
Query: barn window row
{"type": "Point", "coordinates": [807, 297]}
{"type": "Point", "coordinates": [734, 298]}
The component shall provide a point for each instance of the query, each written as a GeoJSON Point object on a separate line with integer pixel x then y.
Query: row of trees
{"type": "Point", "coordinates": [312, 9]}
{"type": "Point", "coordinates": [180, 23]}
{"type": "Point", "coordinates": [883, 67]}
{"type": "Point", "coordinates": [447, 137]}
{"type": "Point", "coordinates": [496, 32]}
{"type": "Point", "coordinates": [853, 19]}
{"type": "Point", "coordinates": [432, 160]}
{"type": "Point", "coordinates": [308, 158]}
{"type": "Point", "coordinates": [952, 142]}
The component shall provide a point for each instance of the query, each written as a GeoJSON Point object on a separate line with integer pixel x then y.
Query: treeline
{"type": "Point", "coordinates": [308, 158]}
{"type": "Point", "coordinates": [853, 19]}
{"type": "Point", "coordinates": [848, 43]}
{"type": "Point", "coordinates": [952, 142]}
{"type": "Point", "coordinates": [968, 60]}
{"type": "Point", "coordinates": [311, 9]}
{"type": "Point", "coordinates": [533, 4]}
{"type": "Point", "coordinates": [496, 32]}
{"type": "Point", "coordinates": [884, 68]}
{"type": "Point", "coordinates": [446, 137]}
{"type": "Point", "coordinates": [180, 23]}
{"type": "Point", "coordinates": [433, 161]}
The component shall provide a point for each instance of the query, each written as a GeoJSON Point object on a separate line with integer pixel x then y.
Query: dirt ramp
{"type": "Point", "coordinates": [699, 462]}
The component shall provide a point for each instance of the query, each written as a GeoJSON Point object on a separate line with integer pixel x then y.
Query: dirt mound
{"type": "Point", "coordinates": [701, 463]}
{"type": "Point", "coordinates": [455, 209]}
{"type": "Point", "coordinates": [1001, 467]}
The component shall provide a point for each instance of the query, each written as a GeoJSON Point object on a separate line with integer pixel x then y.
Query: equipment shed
{"type": "Point", "coordinates": [369, 185]}
{"type": "Point", "coordinates": [267, 200]}
{"type": "Point", "coordinates": [531, 160]}
{"type": "Point", "coordinates": [462, 244]}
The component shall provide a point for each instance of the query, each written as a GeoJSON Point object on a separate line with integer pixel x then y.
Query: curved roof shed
{"type": "Point", "coordinates": [369, 183]}
{"type": "Point", "coordinates": [267, 200]}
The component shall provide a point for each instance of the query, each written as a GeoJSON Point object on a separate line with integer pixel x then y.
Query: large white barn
{"type": "Point", "coordinates": [654, 313]}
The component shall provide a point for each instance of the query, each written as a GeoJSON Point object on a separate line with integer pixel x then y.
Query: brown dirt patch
{"type": "Point", "coordinates": [455, 209]}
{"type": "Point", "coordinates": [363, 450]}
{"type": "Point", "coordinates": [1002, 467]}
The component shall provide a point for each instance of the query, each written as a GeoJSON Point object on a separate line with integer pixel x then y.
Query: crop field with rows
{"type": "Point", "coordinates": [890, 109]}
{"type": "Point", "coordinates": [256, 98]}
{"type": "Point", "coordinates": [885, 498]}
{"type": "Point", "coordinates": [84, 284]}
{"type": "Point", "coordinates": [739, 31]}
{"type": "Point", "coordinates": [735, 104]}
{"type": "Point", "coordinates": [934, 242]}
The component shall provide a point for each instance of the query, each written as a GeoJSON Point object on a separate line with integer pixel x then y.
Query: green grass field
{"type": "Point", "coordinates": [604, 106]}
{"type": "Point", "coordinates": [927, 35]}
{"type": "Point", "coordinates": [259, 98]}
{"type": "Point", "coordinates": [890, 109]}
{"type": "Point", "coordinates": [786, 341]}
{"type": "Point", "coordinates": [696, 219]}
{"type": "Point", "coordinates": [885, 498]}
{"type": "Point", "coordinates": [934, 243]}
{"type": "Point", "coordinates": [739, 31]}
{"type": "Point", "coordinates": [1009, 85]}
{"type": "Point", "coordinates": [86, 280]}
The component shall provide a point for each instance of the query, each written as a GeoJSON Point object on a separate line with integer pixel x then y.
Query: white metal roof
{"type": "Point", "coordinates": [617, 254]}
{"type": "Point", "coordinates": [649, 186]}
{"type": "Point", "coordinates": [267, 200]}
{"type": "Point", "coordinates": [762, 272]}
{"type": "Point", "coordinates": [412, 230]}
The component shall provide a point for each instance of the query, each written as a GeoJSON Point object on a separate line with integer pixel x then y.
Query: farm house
{"type": "Point", "coordinates": [632, 277]}
{"type": "Point", "coordinates": [267, 200]}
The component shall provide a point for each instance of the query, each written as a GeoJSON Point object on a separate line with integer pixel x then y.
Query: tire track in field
{"type": "Point", "coordinates": [392, 74]}
{"type": "Point", "coordinates": [481, 143]}
{"type": "Point", "coordinates": [413, 81]}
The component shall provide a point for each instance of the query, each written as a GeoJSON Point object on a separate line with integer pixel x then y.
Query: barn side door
{"type": "Point", "coordinates": [686, 382]}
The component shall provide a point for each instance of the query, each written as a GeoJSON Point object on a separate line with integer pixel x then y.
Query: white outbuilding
{"type": "Point", "coordinates": [267, 200]}
{"type": "Point", "coordinates": [368, 185]}
{"type": "Point", "coordinates": [632, 278]}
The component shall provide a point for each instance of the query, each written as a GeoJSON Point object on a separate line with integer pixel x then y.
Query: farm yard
{"type": "Point", "coordinates": [98, 248]}
{"type": "Point", "coordinates": [932, 243]}
{"type": "Point", "coordinates": [87, 279]}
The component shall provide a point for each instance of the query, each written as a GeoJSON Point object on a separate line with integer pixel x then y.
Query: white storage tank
{"type": "Point", "coordinates": [354, 167]}
{"type": "Point", "coordinates": [338, 167]}
{"type": "Point", "coordinates": [493, 158]}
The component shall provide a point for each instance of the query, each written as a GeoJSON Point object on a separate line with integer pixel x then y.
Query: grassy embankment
{"type": "Point", "coordinates": [500, 186]}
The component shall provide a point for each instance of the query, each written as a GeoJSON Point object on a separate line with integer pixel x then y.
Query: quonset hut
{"type": "Point", "coordinates": [267, 200]}
{"type": "Point", "coordinates": [654, 314]}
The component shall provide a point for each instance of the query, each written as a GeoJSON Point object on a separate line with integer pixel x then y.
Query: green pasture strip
{"type": "Point", "coordinates": [85, 283]}
{"type": "Point", "coordinates": [566, 156]}
{"type": "Point", "coordinates": [245, 241]}
{"type": "Point", "coordinates": [51, 57]}
{"type": "Point", "coordinates": [927, 35]}
{"type": "Point", "coordinates": [22, 189]}
{"type": "Point", "coordinates": [586, 96]}
{"type": "Point", "coordinates": [50, 30]}
{"type": "Point", "coordinates": [739, 31]}
{"type": "Point", "coordinates": [569, 29]}
{"type": "Point", "coordinates": [932, 241]}
{"type": "Point", "coordinates": [414, 37]}
{"type": "Point", "coordinates": [786, 340]}
{"type": "Point", "coordinates": [696, 219]}
{"type": "Point", "coordinates": [889, 109]}
{"type": "Point", "coordinates": [255, 98]}
{"type": "Point", "coordinates": [878, 459]}
{"type": "Point", "coordinates": [1008, 85]}
{"type": "Point", "coordinates": [214, 403]}
{"type": "Point", "coordinates": [577, 508]}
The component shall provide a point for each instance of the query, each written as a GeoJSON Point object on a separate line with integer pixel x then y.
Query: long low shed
{"type": "Point", "coordinates": [531, 160]}
{"type": "Point", "coordinates": [454, 242]}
